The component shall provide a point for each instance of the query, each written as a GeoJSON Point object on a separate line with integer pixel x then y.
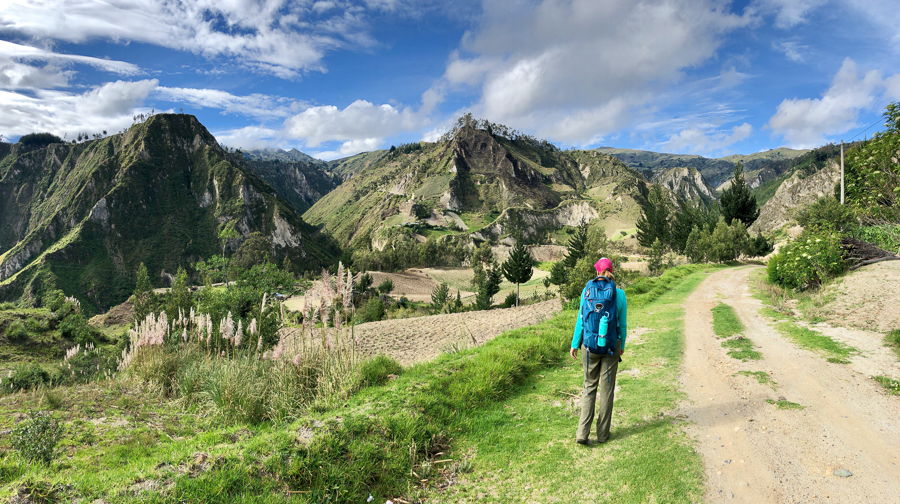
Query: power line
{"type": "Point", "coordinates": [867, 129]}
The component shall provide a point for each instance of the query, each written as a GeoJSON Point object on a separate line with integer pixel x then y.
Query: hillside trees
{"type": "Point", "coordinates": [872, 173]}
{"type": "Point", "coordinates": [737, 200]}
{"type": "Point", "coordinates": [39, 139]}
{"type": "Point", "coordinates": [654, 221]}
{"type": "Point", "coordinates": [518, 268]}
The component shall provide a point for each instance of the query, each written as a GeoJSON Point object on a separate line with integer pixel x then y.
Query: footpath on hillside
{"type": "Point", "coordinates": [755, 452]}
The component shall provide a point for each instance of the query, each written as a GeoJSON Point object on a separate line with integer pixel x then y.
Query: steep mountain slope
{"type": "Point", "coordinates": [716, 171]}
{"type": "Point", "coordinates": [300, 183]}
{"type": "Point", "coordinates": [685, 183]}
{"type": "Point", "coordinates": [291, 156]}
{"type": "Point", "coordinates": [82, 217]}
{"type": "Point", "coordinates": [795, 192]}
{"type": "Point", "coordinates": [477, 182]}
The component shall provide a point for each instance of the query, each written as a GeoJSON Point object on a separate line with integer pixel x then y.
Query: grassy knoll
{"type": "Point", "coordinates": [727, 325]}
{"type": "Point", "coordinates": [523, 449]}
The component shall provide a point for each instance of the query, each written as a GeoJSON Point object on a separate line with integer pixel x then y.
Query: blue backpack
{"type": "Point", "coordinates": [599, 299]}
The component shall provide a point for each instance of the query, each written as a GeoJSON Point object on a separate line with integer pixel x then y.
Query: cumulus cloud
{"type": "Point", "coordinates": [805, 122]}
{"type": "Point", "coordinates": [358, 124]}
{"type": "Point", "coordinates": [108, 107]}
{"type": "Point", "coordinates": [791, 49]}
{"type": "Point", "coordinates": [349, 148]}
{"type": "Point", "coordinates": [574, 70]}
{"type": "Point", "coordinates": [250, 137]}
{"type": "Point", "coordinates": [272, 36]}
{"type": "Point", "coordinates": [697, 139]}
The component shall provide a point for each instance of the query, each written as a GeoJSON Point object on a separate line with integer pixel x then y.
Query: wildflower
{"type": "Point", "coordinates": [253, 329]}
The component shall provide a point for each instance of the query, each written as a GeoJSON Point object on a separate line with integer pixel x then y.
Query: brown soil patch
{"type": "Point", "coordinates": [117, 315]}
{"type": "Point", "coordinates": [868, 298]}
{"type": "Point", "coordinates": [414, 340]}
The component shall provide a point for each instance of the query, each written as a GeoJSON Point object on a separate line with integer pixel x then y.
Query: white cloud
{"type": "Point", "coordinates": [791, 49]}
{"type": "Point", "coordinates": [29, 53]}
{"type": "Point", "coordinates": [805, 122]}
{"type": "Point", "coordinates": [578, 69]}
{"type": "Point", "coordinates": [788, 13]}
{"type": "Point", "coordinates": [703, 140]}
{"type": "Point", "coordinates": [250, 137]}
{"type": "Point", "coordinates": [271, 36]}
{"type": "Point", "coordinates": [361, 121]}
{"type": "Point", "coordinates": [349, 148]}
{"type": "Point", "coordinates": [108, 107]}
{"type": "Point", "coordinates": [259, 106]}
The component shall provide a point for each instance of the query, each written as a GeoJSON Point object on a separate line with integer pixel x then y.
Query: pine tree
{"type": "Point", "coordinates": [142, 294]}
{"type": "Point", "coordinates": [517, 269]}
{"type": "Point", "coordinates": [654, 221]}
{"type": "Point", "coordinates": [737, 201]}
{"type": "Point", "coordinates": [577, 245]}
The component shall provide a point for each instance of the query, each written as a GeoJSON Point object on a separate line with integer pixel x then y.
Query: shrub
{"type": "Point", "coordinates": [386, 286]}
{"type": "Point", "coordinates": [372, 311]}
{"type": "Point", "coordinates": [26, 377]}
{"type": "Point", "coordinates": [16, 331]}
{"type": "Point", "coordinates": [808, 261]}
{"type": "Point", "coordinates": [376, 371]}
{"type": "Point", "coordinates": [75, 327]}
{"type": "Point", "coordinates": [828, 213]}
{"type": "Point", "coordinates": [36, 438]}
{"type": "Point", "coordinates": [886, 236]}
{"type": "Point", "coordinates": [892, 339]}
{"type": "Point", "coordinates": [39, 139]}
{"type": "Point", "coordinates": [509, 301]}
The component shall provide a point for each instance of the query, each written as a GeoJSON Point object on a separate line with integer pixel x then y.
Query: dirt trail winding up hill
{"type": "Point", "coordinates": [756, 453]}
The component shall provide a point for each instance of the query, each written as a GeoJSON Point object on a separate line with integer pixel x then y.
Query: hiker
{"type": "Point", "coordinates": [601, 303]}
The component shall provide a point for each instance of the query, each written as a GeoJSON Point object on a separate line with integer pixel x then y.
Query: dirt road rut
{"type": "Point", "coordinates": [756, 453]}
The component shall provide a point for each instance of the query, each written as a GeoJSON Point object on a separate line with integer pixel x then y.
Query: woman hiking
{"type": "Point", "coordinates": [600, 330]}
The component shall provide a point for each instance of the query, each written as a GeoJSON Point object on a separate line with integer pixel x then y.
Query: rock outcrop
{"type": "Point", "coordinates": [685, 183]}
{"type": "Point", "coordinates": [793, 194]}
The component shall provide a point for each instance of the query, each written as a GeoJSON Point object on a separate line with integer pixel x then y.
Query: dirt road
{"type": "Point", "coordinates": [756, 453]}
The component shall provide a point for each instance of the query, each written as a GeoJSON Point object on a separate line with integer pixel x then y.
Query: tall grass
{"type": "Point", "coordinates": [220, 373]}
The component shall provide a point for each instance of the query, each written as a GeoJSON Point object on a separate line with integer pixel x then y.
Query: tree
{"type": "Point", "coordinates": [518, 267]}
{"type": "Point", "coordinates": [255, 250]}
{"type": "Point", "coordinates": [179, 296]}
{"type": "Point", "coordinates": [577, 246]}
{"type": "Point", "coordinates": [737, 200]}
{"type": "Point", "coordinates": [142, 294]}
{"type": "Point", "coordinates": [691, 215]}
{"type": "Point", "coordinates": [386, 286]}
{"type": "Point", "coordinates": [488, 287]}
{"type": "Point", "coordinates": [654, 221]}
{"type": "Point", "coordinates": [654, 260]}
{"type": "Point", "coordinates": [440, 295]}
{"type": "Point", "coordinates": [227, 233]}
{"type": "Point", "coordinates": [559, 275]}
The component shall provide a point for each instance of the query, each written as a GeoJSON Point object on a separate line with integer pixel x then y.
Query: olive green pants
{"type": "Point", "coordinates": [599, 370]}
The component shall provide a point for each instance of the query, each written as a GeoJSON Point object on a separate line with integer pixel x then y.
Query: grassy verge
{"type": "Point", "coordinates": [892, 339]}
{"type": "Point", "coordinates": [804, 337]}
{"type": "Point", "coordinates": [891, 385]}
{"type": "Point", "coordinates": [727, 325]}
{"type": "Point", "coordinates": [523, 449]}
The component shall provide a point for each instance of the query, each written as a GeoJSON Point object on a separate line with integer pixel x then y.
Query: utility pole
{"type": "Point", "coordinates": [842, 172]}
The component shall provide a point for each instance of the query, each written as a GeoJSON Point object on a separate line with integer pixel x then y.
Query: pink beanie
{"type": "Point", "coordinates": [602, 265]}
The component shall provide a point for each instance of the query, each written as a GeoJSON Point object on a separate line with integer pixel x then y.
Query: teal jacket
{"type": "Point", "coordinates": [621, 319]}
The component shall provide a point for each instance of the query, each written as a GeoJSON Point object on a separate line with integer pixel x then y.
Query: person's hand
{"type": "Point", "coordinates": [573, 352]}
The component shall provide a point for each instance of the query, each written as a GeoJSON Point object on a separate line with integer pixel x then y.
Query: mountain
{"type": "Point", "coordinates": [685, 183]}
{"type": "Point", "coordinates": [82, 217]}
{"type": "Point", "coordinates": [716, 171]}
{"type": "Point", "coordinates": [797, 191]}
{"type": "Point", "coordinates": [300, 183]}
{"type": "Point", "coordinates": [270, 154]}
{"type": "Point", "coordinates": [478, 184]}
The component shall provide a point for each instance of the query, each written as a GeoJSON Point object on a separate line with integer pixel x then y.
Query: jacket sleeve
{"type": "Point", "coordinates": [621, 315]}
{"type": "Point", "coordinates": [579, 331]}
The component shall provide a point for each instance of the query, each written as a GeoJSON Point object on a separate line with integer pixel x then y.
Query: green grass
{"type": "Point", "coordinates": [725, 325]}
{"type": "Point", "coordinates": [725, 322]}
{"type": "Point", "coordinates": [523, 449]}
{"type": "Point", "coordinates": [782, 404]}
{"type": "Point", "coordinates": [891, 385]}
{"type": "Point", "coordinates": [761, 377]}
{"type": "Point", "coordinates": [892, 339]}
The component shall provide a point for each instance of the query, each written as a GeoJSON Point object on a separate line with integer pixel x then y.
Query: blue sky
{"type": "Point", "coordinates": [337, 77]}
